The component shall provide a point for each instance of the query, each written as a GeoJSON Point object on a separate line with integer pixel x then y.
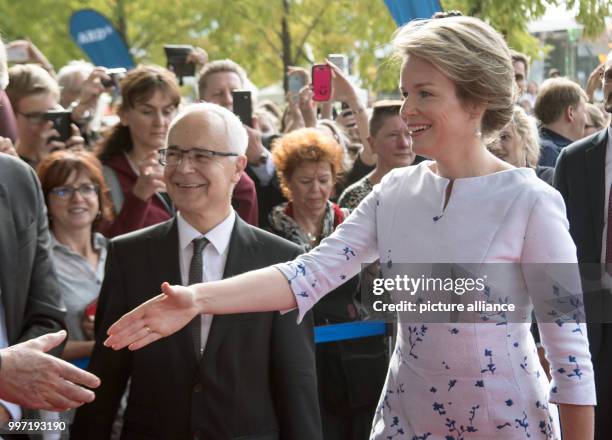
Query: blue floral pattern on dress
{"type": "Point", "coordinates": [452, 380]}
{"type": "Point", "coordinates": [415, 335]}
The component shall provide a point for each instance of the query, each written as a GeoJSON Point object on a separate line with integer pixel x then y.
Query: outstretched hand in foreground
{"type": "Point", "coordinates": [157, 318]}
{"type": "Point", "coordinates": [34, 379]}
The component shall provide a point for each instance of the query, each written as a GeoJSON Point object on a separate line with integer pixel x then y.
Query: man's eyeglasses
{"type": "Point", "coordinates": [34, 118]}
{"type": "Point", "coordinates": [87, 190]}
{"type": "Point", "coordinates": [173, 156]}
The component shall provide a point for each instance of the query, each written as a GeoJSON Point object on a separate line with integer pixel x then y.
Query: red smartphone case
{"type": "Point", "coordinates": [321, 82]}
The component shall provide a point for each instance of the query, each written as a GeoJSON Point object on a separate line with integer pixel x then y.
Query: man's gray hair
{"type": "Point", "coordinates": [237, 137]}
{"type": "Point", "coordinates": [68, 75]}
{"type": "Point", "coordinates": [4, 78]}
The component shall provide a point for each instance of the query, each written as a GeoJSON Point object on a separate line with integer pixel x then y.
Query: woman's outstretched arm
{"type": "Point", "coordinates": [299, 283]}
{"type": "Point", "coordinates": [260, 290]}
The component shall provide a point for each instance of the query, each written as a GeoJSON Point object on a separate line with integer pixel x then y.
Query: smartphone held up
{"type": "Point", "coordinates": [321, 82]}
{"type": "Point", "coordinates": [296, 82]}
{"type": "Point", "coordinates": [340, 61]}
{"type": "Point", "coordinates": [17, 54]}
{"type": "Point", "coordinates": [243, 106]}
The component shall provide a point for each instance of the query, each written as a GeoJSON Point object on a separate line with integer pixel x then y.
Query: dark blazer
{"type": "Point", "coordinates": [29, 290]}
{"type": "Point", "coordinates": [580, 178]}
{"type": "Point", "coordinates": [256, 379]}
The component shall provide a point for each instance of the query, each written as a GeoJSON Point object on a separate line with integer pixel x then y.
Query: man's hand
{"type": "Point", "coordinates": [31, 378]}
{"type": "Point", "coordinates": [159, 317]}
{"type": "Point", "coordinates": [76, 141]}
{"type": "Point", "coordinates": [255, 147]}
{"type": "Point", "coordinates": [91, 89]}
{"type": "Point", "coordinates": [594, 82]}
{"type": "Point", "coordinates": [199, 57]}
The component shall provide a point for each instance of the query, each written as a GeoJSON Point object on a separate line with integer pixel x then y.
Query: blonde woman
{"type": "Point", "coordinates": [445, 381]}
{"type": "Point", "coordinates": [518, 144]}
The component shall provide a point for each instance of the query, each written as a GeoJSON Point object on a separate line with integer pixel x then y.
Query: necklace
{"type": "Point", "coordinates": [312, 238]}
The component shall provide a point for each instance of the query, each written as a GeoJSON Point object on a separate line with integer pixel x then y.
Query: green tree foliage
{"type": "Point", "coordinates": [510, 17]}
{"type": "Point", "coordinates": [265, 36]}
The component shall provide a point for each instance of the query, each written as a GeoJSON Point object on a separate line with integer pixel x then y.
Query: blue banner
{"type": "Point", "coordinates": [349, 330]}
{"type": "Point", "coordinates": [96, 35]}
{"type": "Point", "coordinates": [403, 11]}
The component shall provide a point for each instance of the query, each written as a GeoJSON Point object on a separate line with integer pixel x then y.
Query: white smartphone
{"type": "Point", "coordinates": [17, 54]}
{"type": "Point", "coordinates": [296, 82]}
{"type": "Point", "coordinates": [340, 60]}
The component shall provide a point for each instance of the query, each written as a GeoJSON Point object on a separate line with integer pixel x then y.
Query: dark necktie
{"type": "Point", "coordinates": [195, 276]}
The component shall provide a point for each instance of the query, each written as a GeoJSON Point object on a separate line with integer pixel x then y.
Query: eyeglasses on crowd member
{"type": "Point", "coordinates": [78, 203]}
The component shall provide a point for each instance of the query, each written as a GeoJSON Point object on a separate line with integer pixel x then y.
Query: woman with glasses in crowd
{"type": "Point", "coordinates": [150, 97]}
{"type": "Point", "coordinates": [78, 206]}
{"type": "Point", "coordinates": [471, 376]}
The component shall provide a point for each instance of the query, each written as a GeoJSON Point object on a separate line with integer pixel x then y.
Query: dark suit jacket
{"type": "Point", "coordinates": [580, 177]}
{"type": "Point", "coordinates": [256, 379]}
{"type": "Point", "coordinates": [29, 290]}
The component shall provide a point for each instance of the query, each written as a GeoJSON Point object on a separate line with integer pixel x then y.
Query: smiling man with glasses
{"type": "Point", "coordinates": [236, 376]}
{"type": "Point", "coordinates": [173, 155]}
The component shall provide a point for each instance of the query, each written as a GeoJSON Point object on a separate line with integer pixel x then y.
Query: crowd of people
{"type": "Point", "coordinates": [296, 211]}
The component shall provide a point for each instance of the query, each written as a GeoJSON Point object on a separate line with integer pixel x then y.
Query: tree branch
{"type": "Point", "coordinates": [244, 13]}
{"type": "Point", "coordinates": [312, 26]}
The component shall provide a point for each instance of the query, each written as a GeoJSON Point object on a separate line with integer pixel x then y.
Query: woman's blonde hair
{"type": "Point", "coordinates": [527, 129]}
{"type": "Point", "coordinates": [472, 55]}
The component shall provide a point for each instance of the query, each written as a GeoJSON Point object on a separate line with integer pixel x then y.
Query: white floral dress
{"type": "Point", "coordinates": [468, 380]}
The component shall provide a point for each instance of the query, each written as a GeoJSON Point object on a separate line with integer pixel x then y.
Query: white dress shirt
{"type": "Point", "coordinates": [214, 257]}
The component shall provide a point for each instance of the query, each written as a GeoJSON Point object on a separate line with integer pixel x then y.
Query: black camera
{"type": "Point", "coordinates": [61, 122]}
{"type": "Point", "coordinates": [116, 75]}
{"type": "Point", "coordinates": [176, 56]}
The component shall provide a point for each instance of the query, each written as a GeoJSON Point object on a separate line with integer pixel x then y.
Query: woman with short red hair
{"type": "Point", "coordinates": [78, 206]}
{"type": "Point", "coordinates": [308, 162]}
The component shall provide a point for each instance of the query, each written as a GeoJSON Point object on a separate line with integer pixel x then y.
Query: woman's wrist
{"type": "Point", "coordinates": [200, 298]}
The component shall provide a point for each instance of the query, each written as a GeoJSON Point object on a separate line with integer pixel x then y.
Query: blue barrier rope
{"type": "Point", "coordinates": [82, 363]}
{"type": "Point", "coordinates": [349, 330]}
